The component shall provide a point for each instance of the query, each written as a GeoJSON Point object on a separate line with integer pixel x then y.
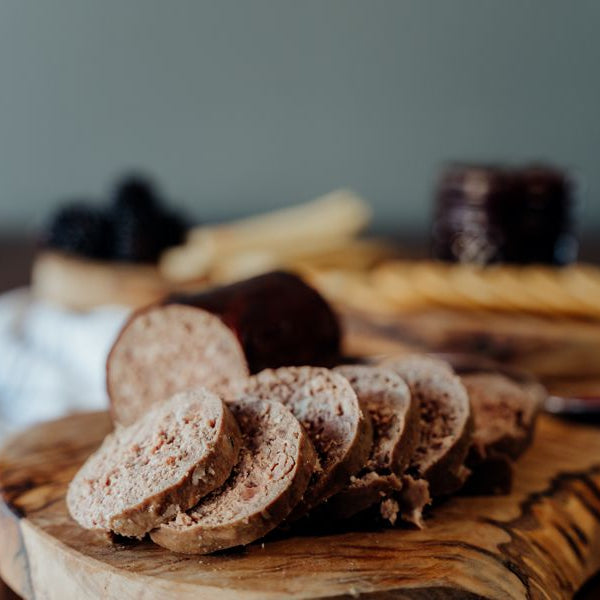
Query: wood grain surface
{"type": "Point", "coordinates": [542, 541]}
{"type": "Point", "coordinates": [546, 347]}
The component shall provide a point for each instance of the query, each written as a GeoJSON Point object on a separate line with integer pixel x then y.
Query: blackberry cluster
{"type": "Point", "coordinates": [134, 227]}
{"type": "Point", "coordinates": [80, 229]}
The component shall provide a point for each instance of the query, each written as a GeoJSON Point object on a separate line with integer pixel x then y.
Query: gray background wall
{"type": "Point", "coordinates": [251, 104]}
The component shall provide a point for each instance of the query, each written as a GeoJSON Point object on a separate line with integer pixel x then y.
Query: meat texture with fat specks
{"type": "Point", "coordinates": [395, 417]}
{"type": "Point", "coordinates": [505, 412]}
{"type": "Point", "coordinates": [327, 406]}
{"type": "Point", "coordinates": [276, 463]}
{"type": "Point", "coordinates": [145, 473]}
{"type": "Point", "coordinates": [445, 432]}
{"type": "Point", "coordinates": [163, 350]}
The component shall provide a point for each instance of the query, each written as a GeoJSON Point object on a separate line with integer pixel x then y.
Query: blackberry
{"type": "Point", "coordinates": [173, 228]}
{"type": "Point", "coordinates": [142, 228]}
{"type": "Point", "coordinates": [79, 229]}
{"type": "Point", "coordinates": [136, 194]}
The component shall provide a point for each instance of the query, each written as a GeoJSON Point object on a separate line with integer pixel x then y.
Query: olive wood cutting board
{"type": "Point", "coordinates": [541, 541]}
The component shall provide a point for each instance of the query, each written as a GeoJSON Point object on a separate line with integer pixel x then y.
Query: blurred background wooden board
{"type": "Point", "coordinates": [552, 349]}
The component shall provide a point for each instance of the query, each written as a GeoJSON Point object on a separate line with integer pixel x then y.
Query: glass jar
{"type": "Point", "coordinates": [487, 214]}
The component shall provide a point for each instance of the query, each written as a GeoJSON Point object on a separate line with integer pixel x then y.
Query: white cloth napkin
{"type": "Point", "coordinates": [52, 360]}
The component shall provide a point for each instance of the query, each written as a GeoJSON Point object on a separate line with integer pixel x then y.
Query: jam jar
{"type": "Point", "coordinates": [488, 214]}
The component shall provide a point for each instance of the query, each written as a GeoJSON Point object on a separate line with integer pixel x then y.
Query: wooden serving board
{"type": "Point", "coordinates": [542, 541]}
{"type": "Point", "coordinates": [549, 348]}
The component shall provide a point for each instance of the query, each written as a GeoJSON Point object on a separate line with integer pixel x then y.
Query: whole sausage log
{"type": "Point", "coordinates": [278, 319]}
{"type": "Point", "coordinates": [217, 337]}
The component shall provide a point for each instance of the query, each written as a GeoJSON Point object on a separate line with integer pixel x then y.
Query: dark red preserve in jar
{"type": "Point", "coordinates": [486, 214]}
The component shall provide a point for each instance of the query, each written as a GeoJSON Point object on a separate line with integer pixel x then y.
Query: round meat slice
{"type": "Point", "coordinates": [144, 474]}
{"type": "Point", "coordinates": [325, 403]}
{"type": "Point", "coordinates": [276, 462]}
{"type": "Point", "coordinates": [445, 421]}
{"type": "Point", "coordinates": [163, 350]}
{"type": "Point", "coordinates": [504, 413]}
{"type": "Point", "coordinates": [395, 418]}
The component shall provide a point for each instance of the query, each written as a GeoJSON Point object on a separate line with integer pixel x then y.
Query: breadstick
{"type": "Point", "coordinates": [338, 215]}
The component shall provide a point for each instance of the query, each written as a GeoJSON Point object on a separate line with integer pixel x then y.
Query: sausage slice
{"type": "Point", "coordinates": [143, 474]}
{"type": "Point", "coordinates": [327, 406]}
{"type": "Point", "coordinates": [275, 466]}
